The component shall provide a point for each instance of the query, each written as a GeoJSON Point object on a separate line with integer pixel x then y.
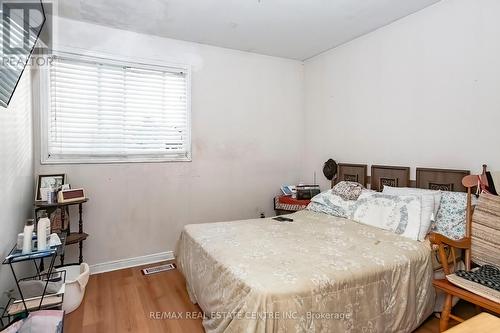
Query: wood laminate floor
{"type": "Point", "coordinates": [127, 301]}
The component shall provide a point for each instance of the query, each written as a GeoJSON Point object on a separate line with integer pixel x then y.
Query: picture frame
{"type": "Point", "coordinates": [44, 182]}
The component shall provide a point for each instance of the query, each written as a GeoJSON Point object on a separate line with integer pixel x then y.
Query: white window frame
{"type": "Point", "coordinates": [113, 60]}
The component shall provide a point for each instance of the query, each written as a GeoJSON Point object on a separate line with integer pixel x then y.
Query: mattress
{"type": "Point", "coordinates": [319, 273]}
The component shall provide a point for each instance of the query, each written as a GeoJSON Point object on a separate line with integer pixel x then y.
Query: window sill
{"type": "Point", "coordinates": [48, 161]}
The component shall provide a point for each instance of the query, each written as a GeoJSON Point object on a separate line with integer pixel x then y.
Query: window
{"type": "Point", "coordinates": [104, 111]}
{"type": "Point", "coordinates": [19, 33]}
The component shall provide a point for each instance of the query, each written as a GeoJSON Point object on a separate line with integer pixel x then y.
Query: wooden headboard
{"type": "Point", "coordinates": [441, 179]}
{"type": "Point", "coordinates": [352, 172]}
{"type": "Point", "coordinates": [399, 176]}
{"type": "Point", "coordinates": [395, 176]}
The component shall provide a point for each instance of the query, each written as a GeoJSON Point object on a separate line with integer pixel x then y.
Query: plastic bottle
{"type": "Point", "coordinates": [28, 232]}
{"type": "Point", "coordinates": [43, 232]}
{"type": "Point", "coordinates": [50, 195]}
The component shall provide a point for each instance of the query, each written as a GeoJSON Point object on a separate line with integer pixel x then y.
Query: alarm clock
{"type": "Point", "coordinates": [71, 195]}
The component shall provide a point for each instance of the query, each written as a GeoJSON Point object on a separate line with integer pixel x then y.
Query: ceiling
{"type": "Point", "coordinates": [296, 29]}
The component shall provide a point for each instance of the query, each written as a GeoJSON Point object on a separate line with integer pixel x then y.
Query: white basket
{"type": "Point", "coordinates": [77, 277]}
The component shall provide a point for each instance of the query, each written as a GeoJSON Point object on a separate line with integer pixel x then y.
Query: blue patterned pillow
{"type": "Point", "coordinates": [451, 216]}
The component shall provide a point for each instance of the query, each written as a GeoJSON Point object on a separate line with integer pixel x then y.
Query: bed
{"type": "Point", "coordinates": [320, 273]}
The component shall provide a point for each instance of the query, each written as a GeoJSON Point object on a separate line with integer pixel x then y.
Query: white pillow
{"type": "Point", "coordinates": [415, 191]}
{"type": "Point", "coordinates": [397, 213]}
{"type": "Point", "coordinates": [430, 205]}
{"type": "Point", "coordinates": [330, 203]}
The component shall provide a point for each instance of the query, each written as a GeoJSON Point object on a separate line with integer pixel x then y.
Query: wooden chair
{"type": "Point", "coordinates": [464, 244]}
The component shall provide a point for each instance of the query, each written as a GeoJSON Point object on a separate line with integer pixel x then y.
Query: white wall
{"type": "Point", "coordinates": [16, 169]}
{"type": "Point", "coordinates": [247, 141]}
{"type": "Point", "coordinates": [423, 91]}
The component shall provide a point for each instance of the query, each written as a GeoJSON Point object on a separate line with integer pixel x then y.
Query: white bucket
{"type": "Point", "coordinates": [77, 277]}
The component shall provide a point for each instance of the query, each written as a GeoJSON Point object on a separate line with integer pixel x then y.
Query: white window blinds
{"type": "Point", "coordinates": [107, 111]}
{"type": "Point", "coordinates": [16, 43]}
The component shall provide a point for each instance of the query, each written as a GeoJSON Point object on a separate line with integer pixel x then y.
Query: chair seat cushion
{"type": "Point", "coordinates": [486, 275]}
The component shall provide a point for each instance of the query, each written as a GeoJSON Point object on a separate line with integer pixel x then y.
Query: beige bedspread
{"type": "Point", "coordinates": [317, 274]}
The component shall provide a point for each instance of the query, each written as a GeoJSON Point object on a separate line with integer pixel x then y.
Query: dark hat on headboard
{"type": "Point", "coordinates": [330, 169]}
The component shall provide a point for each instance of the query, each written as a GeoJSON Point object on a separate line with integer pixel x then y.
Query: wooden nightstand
{"type": "Point", "coordinates": [284, 204]}
{"type": "Point", "coordinates": [72, 237]}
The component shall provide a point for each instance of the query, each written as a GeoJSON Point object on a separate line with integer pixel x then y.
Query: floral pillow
{"type": "Point", "coordinates": [398, 213]}
{"type": "Point", "coordinates": [330, 203]}
{"type": "Point", "coordinates": [451, 216]}
{"type": "Point", "coordinates": [348, 190]}
{"type": "Point", "coordinates": [430, 205]}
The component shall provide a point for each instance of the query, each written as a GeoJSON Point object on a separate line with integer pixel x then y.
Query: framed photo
{"type": "Point", "coordinates": [45, 182]}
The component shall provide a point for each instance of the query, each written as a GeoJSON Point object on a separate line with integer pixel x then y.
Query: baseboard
{"type": "Point", "coordinates": [131, 262]}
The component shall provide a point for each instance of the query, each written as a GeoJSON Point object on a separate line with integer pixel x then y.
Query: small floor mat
{"type": "Point", "coordinates": [158, 269]}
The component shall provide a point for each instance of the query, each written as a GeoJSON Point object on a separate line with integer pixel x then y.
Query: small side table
{"type": "Point", "coordinates": [483, 322]}
{"type": "Point", "coordinates": [12, 309]}
{"type": "Point", "coordinates": [285, 204]}
{"type": "Point", "coordinates": [72, 237]}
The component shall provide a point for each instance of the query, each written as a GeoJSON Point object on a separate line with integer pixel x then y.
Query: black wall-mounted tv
{"type": "Point", "coordinates": [21, 25]}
